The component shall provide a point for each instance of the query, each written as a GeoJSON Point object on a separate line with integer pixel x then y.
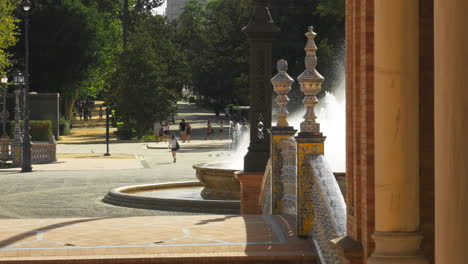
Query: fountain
{"type": "Point", "coordinates": [217, 190]}
{"type": "Point", "coordinates": [218, 181]}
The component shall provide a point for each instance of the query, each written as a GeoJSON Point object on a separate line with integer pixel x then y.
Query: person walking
{"type": "Point", "coordinates": [209, 130]}
{"type": "Point", "coordinates": [173, 146]}
{"type": "Point", "coordinates": [86, 112]}
{"type": "Point", "coordinates": [100, 112]}
{"type": "Point", "coordinates": [221, 131]}
{"type": "Point", "coordinates": [188, 132]}
{"type": "Point", "coordinates": [182, 126]}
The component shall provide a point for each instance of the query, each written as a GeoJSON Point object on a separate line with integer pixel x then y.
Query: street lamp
{"type": "Point", "coordinates": [26, 166]}
{"type": "Point", "coordinates": [4, 81]}
{"type": "Point", "coordinates": [107, 131]}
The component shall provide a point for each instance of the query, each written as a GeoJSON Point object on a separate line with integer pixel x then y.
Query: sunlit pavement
{"type": "Point", "coordinates": [177, 238]}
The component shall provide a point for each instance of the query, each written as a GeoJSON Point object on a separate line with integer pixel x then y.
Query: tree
{"type": "Point", "coordinates": [215, 47]}
{"type": "Point", "coordinates": [293, 17]}
{"type": "Point", "coordinates": [145, 74]}
{"type": "Point", "coordinates": [7, 32]}
{"type": "Point", "coordinates": [73, 45]}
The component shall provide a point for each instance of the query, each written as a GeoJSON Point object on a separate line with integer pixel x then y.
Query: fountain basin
{"type": "Point", "coordinates": [174, 196]}
{"type": "Point", "coordinates": [218, 181]}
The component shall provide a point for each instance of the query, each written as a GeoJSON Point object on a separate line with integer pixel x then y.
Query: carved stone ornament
{"type": "Point", "coordinates": [311, 82]}
{"type": "Point", "coordinates": [282, 86]}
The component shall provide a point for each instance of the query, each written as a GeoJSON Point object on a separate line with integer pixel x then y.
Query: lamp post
{"type": "Point", "coordinates": [26, 166]}
{"type": "Point", "coordinates": [4, 81]}
{"type": "Point", "coordinates": [261, 31]}
{"type": "Point", "coordinates": [107, 131]}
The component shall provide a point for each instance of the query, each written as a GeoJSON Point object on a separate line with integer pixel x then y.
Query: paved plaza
{"type": "Point", "coordinates": [56, 215]}
{"type": "Point", "coordinates": [75, 185]}
{"type": "Point", "coordinates": [165, 239]}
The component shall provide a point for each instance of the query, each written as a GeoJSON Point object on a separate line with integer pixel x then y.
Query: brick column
{"type": "Point", "coordinates": [250, 187]}
{"type": "Point", "coordinates": [451, 126]}
{"type": "Point", "coordinates": [397, 206]}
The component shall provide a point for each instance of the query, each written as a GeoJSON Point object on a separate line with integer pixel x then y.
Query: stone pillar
{"type": "Point", "coordinates": [397, 207]}
{"type": "Point", "coordinates": [451, 126]}
{"type": "Point", "coordinates": [282, 85]}
{"type": "Point", "coordinates": [310, 140]}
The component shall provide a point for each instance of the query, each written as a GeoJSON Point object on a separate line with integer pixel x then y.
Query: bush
{"type": "Point", "coordinates": [64, 127]}
{"type": "Point", "coordinates": [124, 132]}
{"type": "Point", "coordinates": [191, 99]}
{"type": "Point", "coordinates": [40, 130]}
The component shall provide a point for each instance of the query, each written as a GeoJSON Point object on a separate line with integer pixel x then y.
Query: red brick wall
{"type": "Point", "coordinates": [360, 120]}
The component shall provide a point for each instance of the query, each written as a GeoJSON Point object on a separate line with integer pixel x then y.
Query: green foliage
{"type": "Point", "coordinates": [215, 47]}
{"type": "Point", "coordinates": [144, 85]}
{"type": "Point", "coordinates": [191, 99]}
{"type": "Point", "coordinates": [40, 130]}
{"type": "Point", "coordinates": [64, 127]}
{"type": "Point", "coordinates": [8, 32]}
{"type": "Point", "coordinates": [125, 132]}
{"type": "Point", "coordinates": [74, 45]}
{"type": "Point", "coordinates": [333, 8]}
{"type": "Point", "coordinates": [217, 51]}
{"type": "Point", "coordinates": [293, 17]}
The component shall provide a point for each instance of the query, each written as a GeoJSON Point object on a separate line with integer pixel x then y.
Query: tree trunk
{"type": "Point", "coordinates": [69, 103]}
{"type": "Point", "coordinates": [125, 23]}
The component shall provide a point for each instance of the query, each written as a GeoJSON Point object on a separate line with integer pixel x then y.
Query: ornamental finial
{"type": "Point", "coordinates": [310, 81]}
{"type": "Point", "coordinates": [282, 85]}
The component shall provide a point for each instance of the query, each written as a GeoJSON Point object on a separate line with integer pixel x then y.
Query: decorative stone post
{"type": "Point", "coordinates": [282, 85]}
{"type": "Point", "coordinates": [18, 137]}
{"type": "Point", "coordinates": [260, 33]}
{"type": "Point", "coordinates": [309, 140]}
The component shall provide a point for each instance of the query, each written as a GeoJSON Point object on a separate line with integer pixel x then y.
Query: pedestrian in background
{"type": "Point", "coordinates": [221, 130]}
{"type": "Point", "coordinates": [100, 112]}
{"type": "Point", "coordinates": [182, 126]}
{"type": "Point", "coordinates": [209, 130]}
{"type": "Point", "coordinates": [174, 146]}
{"type": "Point", "coordinates": [188, 132]}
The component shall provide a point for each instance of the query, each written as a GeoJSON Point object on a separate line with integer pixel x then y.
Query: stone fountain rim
{"type": "Point", "coordinates": [207, 166]}
{"type": "Point", "coordinates": [119, 197]}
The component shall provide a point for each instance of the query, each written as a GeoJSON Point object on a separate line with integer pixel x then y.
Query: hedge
{"type": "Point", "coordinates": [124, 132]}
{"type": "Point", "coordinates": [64, 127]}
{"type": "Point", "coordinates": [40, 130]}
{"type": "Point", "coordinates": [191, 99]}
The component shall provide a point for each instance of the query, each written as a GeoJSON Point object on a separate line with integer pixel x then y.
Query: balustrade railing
{"type": "Point", "coordinates": [5, 148]}
{"type": "Point", "coordinates": [288, 149]}
{"type": "Point", "coordinates": [42, 152]}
